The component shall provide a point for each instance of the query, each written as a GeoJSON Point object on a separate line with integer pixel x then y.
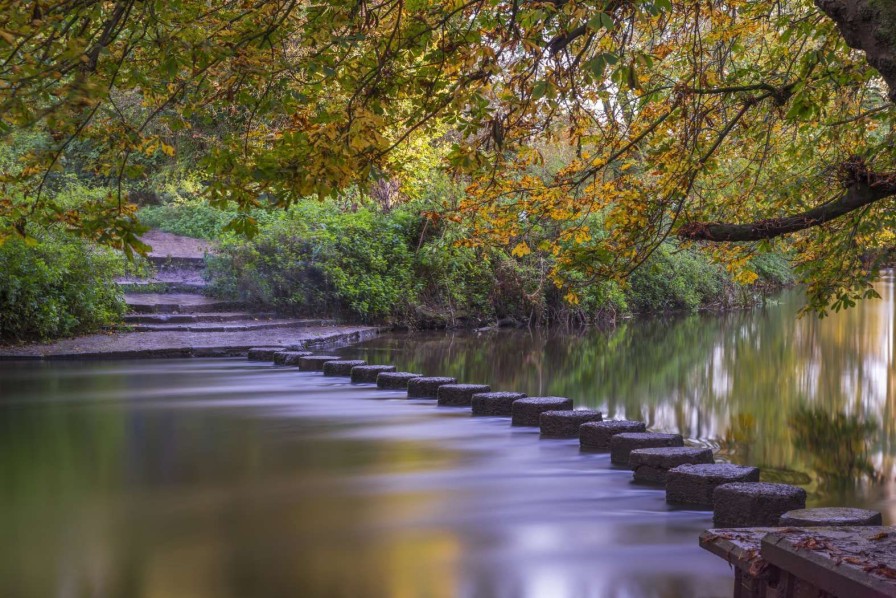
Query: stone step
{"type": "Point", "coordinates": [158, 286]}
{"type": "Point", "coordinates": [168, 262]}
{"type": "Point", "coordinates": [193, 318]}
{"type": "Point", "coordinates": [233, 326]}
{"type": "Point", "coordinates": [169, 303]}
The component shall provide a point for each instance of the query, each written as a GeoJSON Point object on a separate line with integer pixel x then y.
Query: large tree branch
{"type": "Point", "coordinates": [860, 192]}
{"type": "Point", "coordinates": [564, 38]}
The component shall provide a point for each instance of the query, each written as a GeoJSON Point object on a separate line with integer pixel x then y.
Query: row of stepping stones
{"type": "Point", "coordinates": [690, 474]}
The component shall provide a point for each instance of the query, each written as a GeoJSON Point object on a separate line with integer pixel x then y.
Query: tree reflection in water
{"type": "Point", "coordinates": [837, 445]}
{"type": "Point", "coordinates": [730, 381]}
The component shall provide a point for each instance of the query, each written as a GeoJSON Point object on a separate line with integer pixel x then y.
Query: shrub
{"type": "Point", "coordinates": [55, 287]}
{"type": "Point", "coordinates": [675, 279]}
{"type": "Point", "coordinates": [773, 269]}
{"type": "Point", "coordinates": [187, 217]}
{"type": "Point", "coordinates": [316, 260]}
{"type": "Point", "coordinates": [326, 258]}
{"type": "Point", "coordinates": [456, 281]}
{"type": "Point", "coordinates": [600, 301]}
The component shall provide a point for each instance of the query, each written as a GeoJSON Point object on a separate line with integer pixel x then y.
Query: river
{"type": "Point", "coordinates": [227, 478]}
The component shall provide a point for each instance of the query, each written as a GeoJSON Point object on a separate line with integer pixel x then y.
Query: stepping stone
{"type": "Point", "coordinates": [525, 412]}
{"type": "Point", "coordinates": [342, 367]}
{"type": "Point", "coordinates": [262, 353]}
{"type": "Point", "coordinates": [652, 465]}
{"type": "Point", "coordinates": [829, 516]}
{"type": "Point", "coordinates": [495, 403]}
{"type": "Point", "coordinates": [459, 395]}
{"type": "Point", "coordinates": [565, 424]}
{"type": "Point", "coordinates": [315, 363]}
{"type": "Point", "coordinates": [427, 387]}
{"type": "Point", "coordinates": [395, 380]}
{"type": "Point", "coordinates": [754, 504]}
{"type": "Point", "coordinates": [596, 435]}
{"type": "Point", "coordinates": [289, 357]}
{"type": "Point", "coordinates": [366, 374]}
{"type": "Point", "coordinates": [694, 484]}
{"type": "Point", "coordinates": [621, 445]}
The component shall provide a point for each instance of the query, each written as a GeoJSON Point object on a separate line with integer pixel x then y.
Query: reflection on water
{"type": "Point", "coordinates": [837, 444]}
{"type": "Point", "coordinates": [811, 401]}
{"type": "Point", "coordinates": [222, 478]}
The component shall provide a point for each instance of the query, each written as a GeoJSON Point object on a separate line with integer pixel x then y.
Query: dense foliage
{"type": "Point", "coordinates": [55, 286]}
{"type": "Point", "coordinates": [707, 120]}
{"type": "Point", "coordinates": [319, 261]}
{"type": "Point", "coordinates": [190, 218]}
{"type": "Point", "coordinates": [396, 266]}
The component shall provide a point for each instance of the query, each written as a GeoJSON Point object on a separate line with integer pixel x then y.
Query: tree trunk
{"type": "Point", "coordinates": [868, 25]}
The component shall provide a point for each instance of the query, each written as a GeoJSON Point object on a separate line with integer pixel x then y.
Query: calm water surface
{"type": "Point", "coordinates": [226, 478]}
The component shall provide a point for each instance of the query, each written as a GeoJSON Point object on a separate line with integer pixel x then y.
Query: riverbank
{"type": "Point", "coordinates": [346, 273]}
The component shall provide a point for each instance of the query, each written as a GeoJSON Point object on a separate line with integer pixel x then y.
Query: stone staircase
{"type": "Point", "coordinates": [174, 299]}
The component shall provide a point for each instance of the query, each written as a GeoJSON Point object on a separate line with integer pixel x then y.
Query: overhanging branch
{"type": "Point", "coordinates": [858, 194]}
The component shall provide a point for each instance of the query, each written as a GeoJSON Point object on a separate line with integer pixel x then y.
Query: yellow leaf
{"type": "Point", "coordinates": [521, 249]}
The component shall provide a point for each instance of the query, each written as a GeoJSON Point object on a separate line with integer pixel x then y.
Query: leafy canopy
{"type": "Point", "coordinates": [679, 116]}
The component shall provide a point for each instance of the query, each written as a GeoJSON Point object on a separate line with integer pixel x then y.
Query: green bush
{"type": "Point", "coordinates": [187, 217]}
{"type": "Point", "coordinates": [604, 300]}
{"type": "Point", "coordinates": [318, 260]}
{"type": "Point", "coordinates": [58, 286]}
{"type": "Point", "coordinates": [773, 269]}
{"type": "Point", "coordinates": [455, 281]}
{"type": "Point", "coordinates": [675, 279]}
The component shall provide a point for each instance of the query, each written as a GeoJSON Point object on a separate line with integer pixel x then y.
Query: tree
{"type": "Point", "coordinates": [704, 120]}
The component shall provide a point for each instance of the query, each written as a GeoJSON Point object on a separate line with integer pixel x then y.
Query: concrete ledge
{"type": "Point", "coordinates": [427, 387]}
{"type": "Point", "coordinates": [164, 353]}
{"type": "Point", "coordinates": [651, 466]}
{"type": "Point", "coordinates": [596, 436]}
{"type": "Point", "coordinates": [158, 345]}
{"type": "Point", "coordinates": [332, 341]}
{"type": "Point", "coordinates": [694, 484]}
{"type": "Point", "coordinates": [565, 423]}
{"type": "Point", "coordinates": [366, 374]}
{"type": "Point", "coordinates": [342, 367]}
{"type": "Point", "coordinates": [495, 403]}
{"type": "Point", "coordinates": [525, 412]}
{"type": "Point", "coordinates": [395, 380]}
